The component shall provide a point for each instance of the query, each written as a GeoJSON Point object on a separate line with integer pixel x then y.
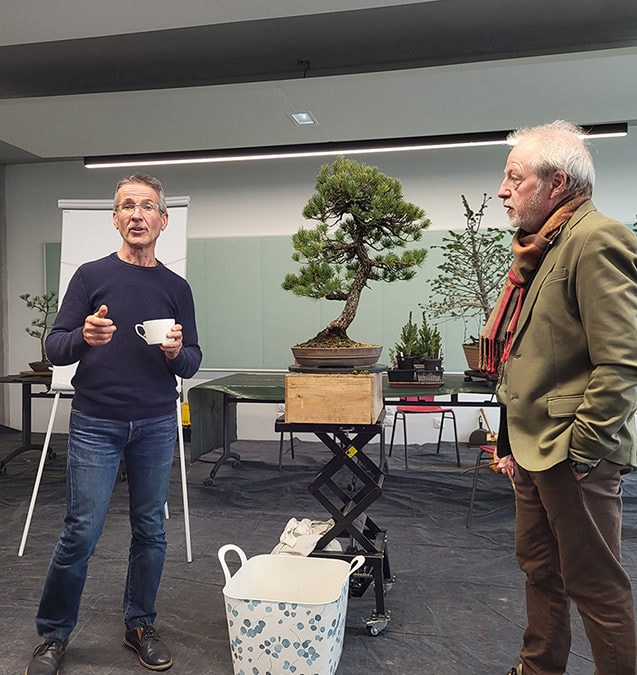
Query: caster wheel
{"type": "Point", "coordinates": [377, 623]}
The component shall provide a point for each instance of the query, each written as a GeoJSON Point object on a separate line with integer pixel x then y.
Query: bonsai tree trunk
{"type": "Point", "coordinates": [335, 333]}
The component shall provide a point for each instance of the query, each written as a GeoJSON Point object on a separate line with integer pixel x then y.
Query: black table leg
{"type": "Point", "coordinates": [226, 453]}
{"type": "Point", "coordinates": [26, 429]}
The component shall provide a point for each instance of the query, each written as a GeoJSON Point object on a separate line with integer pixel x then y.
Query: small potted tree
{"type": "Point", "coordinates": [417, 355]}
{"type": "Point", "coordinates": [476, 262]}
{"type": "Point", "coordinates": [46, 307]}
{"type": "Point", "coordinates": [362, 228]}
{"type": "Point", "coordinates": [404, 353]}
{"type": "Point", "coordinates": [429, 348]}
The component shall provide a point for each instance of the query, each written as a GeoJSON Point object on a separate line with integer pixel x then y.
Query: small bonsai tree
{"type": "Point", "coordinates": [420, 342]}
{"type": "Point", "coordinates": [361, 221]}
{"type": "Point", "coordinates": [429, 340]}
{"type": "Point", "coordinates": [408, 341]}
{"type": "Point", "coordinates": [476, 262]}
{"type": "Point", "coordinates": [46, 306]}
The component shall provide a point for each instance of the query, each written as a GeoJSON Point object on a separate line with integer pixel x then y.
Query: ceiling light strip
{"type": "Point", "coordinates": [407, 144]}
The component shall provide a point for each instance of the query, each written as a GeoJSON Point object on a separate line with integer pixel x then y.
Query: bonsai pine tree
{"type": "Point", "coordinates": [476, 262]}
{"type": "Point", "coordinates": [363, 225]}
{"type": "Point", "coordinates": [45, 306]}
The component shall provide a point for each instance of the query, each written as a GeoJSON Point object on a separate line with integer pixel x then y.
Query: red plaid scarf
{"type": "Point", "coordinates": [528, 250]}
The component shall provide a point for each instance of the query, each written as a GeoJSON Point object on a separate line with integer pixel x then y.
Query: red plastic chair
{"type": "Point", "coordinates": [403, 410]}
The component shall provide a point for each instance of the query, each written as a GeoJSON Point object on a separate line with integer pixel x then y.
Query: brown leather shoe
{"type": "Point", "coordinates": [151, 651]}
{"type": "Point", "coordinates": [46, 657]}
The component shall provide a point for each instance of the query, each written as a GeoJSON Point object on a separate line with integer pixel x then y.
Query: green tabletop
{"type": "Point", "coordinates": [259, 387]}
{"type": "Point", "coordinates": [207, 400]}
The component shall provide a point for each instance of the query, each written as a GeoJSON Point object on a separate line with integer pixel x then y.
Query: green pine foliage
{"type": "Point", "coordinates": [46, 306]}
{"type": "Point", "coordinates": [422, 342]}
{"type": "Point", "coordinates": [408, 341]}
{"type": "Point", "coordinates": [362, 227]}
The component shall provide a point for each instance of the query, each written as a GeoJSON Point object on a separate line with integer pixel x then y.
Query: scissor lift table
{"type": "Point", "coordinates": [347, 506]}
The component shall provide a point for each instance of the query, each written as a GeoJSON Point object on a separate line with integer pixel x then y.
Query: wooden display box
{"type": "Point", "coordinates": [332, 398]}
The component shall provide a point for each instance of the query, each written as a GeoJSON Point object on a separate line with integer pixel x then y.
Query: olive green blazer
{"type": "Point", "coordinates": [570, 383]}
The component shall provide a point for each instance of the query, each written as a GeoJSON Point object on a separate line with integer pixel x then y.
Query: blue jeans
{"type": "Point", "coordinates": [94, 450]}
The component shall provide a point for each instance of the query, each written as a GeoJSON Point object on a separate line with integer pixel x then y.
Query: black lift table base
{"type": "Point", "coordinates": [347, 507]}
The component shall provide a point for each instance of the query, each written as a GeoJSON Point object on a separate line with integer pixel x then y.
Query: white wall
{"type": "Point", "coordinates": [264, 198]}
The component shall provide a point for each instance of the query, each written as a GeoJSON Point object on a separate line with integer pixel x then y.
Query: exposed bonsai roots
{"type": "Point", "coordinates": [332, 337]}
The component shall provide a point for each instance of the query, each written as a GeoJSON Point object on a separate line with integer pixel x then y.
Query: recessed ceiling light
{"type": "Point", "coordinates": [303, 118]}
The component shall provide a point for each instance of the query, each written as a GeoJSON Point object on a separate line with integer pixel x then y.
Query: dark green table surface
{"type": "Point", "coordinates": [207, 400]}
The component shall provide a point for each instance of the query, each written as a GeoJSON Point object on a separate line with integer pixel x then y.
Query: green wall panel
{"type": "Point", "coordinates": [247, 321]}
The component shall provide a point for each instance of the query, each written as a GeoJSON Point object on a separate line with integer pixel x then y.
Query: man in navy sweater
{"type": "Point", "coordinates": [124, 405]}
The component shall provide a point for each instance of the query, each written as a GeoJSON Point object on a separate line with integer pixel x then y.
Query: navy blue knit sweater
{"type": "Point", "coordinates": [125, 379]}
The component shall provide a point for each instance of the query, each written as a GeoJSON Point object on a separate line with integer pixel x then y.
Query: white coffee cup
{"type": "Point", "coordinates": [154, 331]}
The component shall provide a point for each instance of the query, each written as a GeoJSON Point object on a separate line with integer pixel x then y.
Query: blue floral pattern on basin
{"type": "Point", "coordinates": [281, 637]}
{"type": "Point", "coordinates": [276, 637]}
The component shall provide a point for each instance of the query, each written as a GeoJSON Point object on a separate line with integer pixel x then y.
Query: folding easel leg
{"type": "Point", "coordinates": [38, 478]}
{"type": "Point", "coordinates": [474, 487]}
{"type": "Point", "coordinates": [184, 484]}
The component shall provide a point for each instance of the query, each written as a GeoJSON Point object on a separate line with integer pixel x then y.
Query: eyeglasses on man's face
{"type": "Point", "coordinates": [128, 208]}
